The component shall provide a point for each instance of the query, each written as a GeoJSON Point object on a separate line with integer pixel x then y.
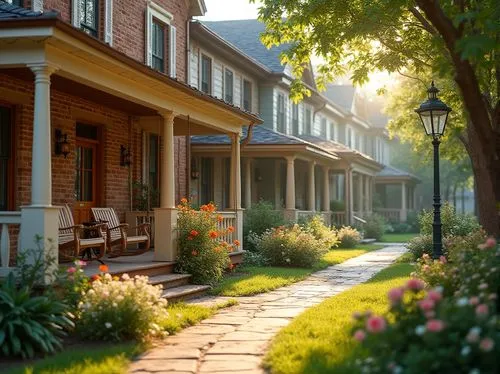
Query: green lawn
{"type": "Point", "coordinates": [319, 340]}
{"type": "Point", "coordinates": [398, 238]}
{"type": "Point", "coordinates": [254, 280]}
{"type": "Point", "coordinates": [114, 358]}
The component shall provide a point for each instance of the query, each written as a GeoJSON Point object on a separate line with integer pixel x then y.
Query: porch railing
{"type": "Point", "coordinates": [135, 218]}
{"type": "Point", "coordinates": [7, 219]}
{"type": "Point", "coordinates": [391, 215]}
{"type": "Point", "coordinates": [305, 214]}
{"type": "Point", "coordinates": [339, 219]}
{"type": "Point", "coordinates": [228, 219]}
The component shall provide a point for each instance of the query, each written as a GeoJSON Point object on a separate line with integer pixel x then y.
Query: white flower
{"type": "Point", "coordinates": [108, 325]}
{"type": "Point", "coordinates": [420, 330]}
{"type": "Point", "coordinates": [287, 260]}
{"type": "Point", "coordinates": [474, 371]}
{"type": "Point", "coordinates": [465, 351]}
{"type": "Point", "coordinates": [463, 301]}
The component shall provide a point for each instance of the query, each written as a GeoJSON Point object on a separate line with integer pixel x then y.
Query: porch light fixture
{"type": "Point", "coordinates": [434, 114]}
{"type": "Point", "coordinates": [125, 157]}
{"type": "Point", "coordinates": [195, 174]}
{"type": "Point", "coordinates": [61, 144]}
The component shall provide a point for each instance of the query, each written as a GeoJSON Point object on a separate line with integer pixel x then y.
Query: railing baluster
{"type": "Point", "coordinates": [5, 246]}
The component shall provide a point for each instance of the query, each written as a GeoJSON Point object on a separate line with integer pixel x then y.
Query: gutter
{"type": "Point", "coordinates": [248, 138]}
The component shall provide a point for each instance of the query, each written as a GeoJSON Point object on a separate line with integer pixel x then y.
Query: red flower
{"type": "Point", "coordinates": [220, 218]}
{"type": "Point", "coordinates": [103, 268]}
{"type": "Point", "coordinates": [184, 200]}
{"type": "Point", "coordinates": [230, 229]}
{"type": "Point", "coordinates": [213, 234]}
{"type": "Point", "coordinates": [194, 233]}
{"type": "Point", "coordinates": [237, 243]}
{"type": "Point", "coordinates": [95, 277]}
{"type": "Point", "coordinates": [194, 253]}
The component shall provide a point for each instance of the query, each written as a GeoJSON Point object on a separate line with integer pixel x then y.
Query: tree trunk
{"type": "Point", "coordinates": [455, 196]}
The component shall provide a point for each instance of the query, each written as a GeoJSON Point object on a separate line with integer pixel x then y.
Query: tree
{"type": "Point", "coordinates": [457, 40]}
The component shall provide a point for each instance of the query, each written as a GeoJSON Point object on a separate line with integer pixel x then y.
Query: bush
{"type": "Point", "coordinates": [201, 253]}
{"type": "Point", "coordinates": [114, 309]}
{"type": "Point", "coordinates": [259, 218]}
{"type": "Point", "coordinates": [254, 259]}
{"type": "Point", "coordinates": [419, 245]}
{"type": "Point", "coordinates": [452, 223]}
{"type": "Point", "coordinates": [30, 324]}
{"type": "Point", "coordinates": [349, 237]}
{"type": "Point", "coordinates": [316, 226]}
{"type": "Point", "coordinates": [374, 227]}
{"type": "Point", "coordinates": [412, 221]}
{"type": "Point", "coordinates": [291, 246]}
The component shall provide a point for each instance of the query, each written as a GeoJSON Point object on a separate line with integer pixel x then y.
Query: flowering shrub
{"type": "Point", "coordinates": [291, 246]}
{"type": "Point", "coordinates": [420, 245]}
{"type": "Point", "coordinates": [201, 252]}
{"type": "Point", "coordinates": [260, 217]}
{"type": "Point", "coordinates": [349, 237]}
{"type": "Point", "coordinates": [70, 284]}
{"type": "Point", "coordinates": [452, 223]}
{"type": "Point", "coordinates": [316, 226]}
{"type": "Point", "coordinates": [374, 227]}
{"type": "Point", "coordinates": [120, 309]}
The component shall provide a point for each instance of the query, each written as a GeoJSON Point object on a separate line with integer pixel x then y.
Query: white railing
{"type": "Point", "coordinates": [391, 215]}
{"type": "Point", "coordinates": [137, 217]}
{"type": "Point", "coordinates": [6, 219]}
{"type": "Point", "coordinates": [228, 220]}
{"type": "Point", "coordinates": [305, 214]}
{"type": "Point", "coordinates": [339, 219]}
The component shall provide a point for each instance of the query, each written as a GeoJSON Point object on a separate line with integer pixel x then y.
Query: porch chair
{"type": "Point", "coordinates": [72, 240]}
{"type": "Point", "coordinates": [117, 233]}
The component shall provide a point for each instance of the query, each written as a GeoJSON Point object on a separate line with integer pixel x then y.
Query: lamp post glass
{"type": "Point", "coordinates": [434, 114]}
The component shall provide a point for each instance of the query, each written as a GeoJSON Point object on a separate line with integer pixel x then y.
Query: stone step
{"type": "Point", "coordinates": [185, 292]}
{"type": "Point", "coordinates": [170, 280]}
{"type": "Point", "coordinates": [151, 269]}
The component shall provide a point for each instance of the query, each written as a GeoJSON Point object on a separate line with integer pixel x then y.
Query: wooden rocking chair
{"type": "Point", "coordinates": [117, 233]}
{"type": "Point", "coordinates": [72, 241]}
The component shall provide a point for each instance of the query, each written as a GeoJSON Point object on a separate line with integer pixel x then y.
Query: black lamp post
{"type": "Point", "coordinates": [434, 114]}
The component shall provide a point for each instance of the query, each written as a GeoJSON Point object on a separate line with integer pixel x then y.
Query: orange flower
{"type": "Point", "coordinates": [224, 244]}
{"type": "Point", "coordinates": [230, 229]}
{"type": "Point", "coordinates": [95, 277]}
{"type": "Point", "coordinates": [213, 234]}
{"type": "Point", "coordinates": [194, 233]}
{"type": "Point", "coordinates": [217, 249]}
{"type": "Point", "coordinates": [194, 253]}
{"type": "Point", "coordinates": [184, 200]}
{"type": "Point", "coordinates": [237, 243]}
{"type": "Point", "coordinates": [103, 268]}
{"type": "Point", "coordinates": [189, 237]}
{"type": "Point", "coordinates": [231, 266]}
{"type": "Point", "coordinates": [220, 218]}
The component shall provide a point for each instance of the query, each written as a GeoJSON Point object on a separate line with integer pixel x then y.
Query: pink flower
{"type": "Point", "coordinates": [442, 260]}
{"type": "Point", "coordinates": [482, 310]}
{"type": "Point", "coordinates": [434, 325]}
{"type": "Point", "coordinates": [486, 344]}
{"type": "Point", "coordinates": [434, 295]}
{"type": "Point", "coordinates": [359, 335]}
{"type": "Point", "coordinates": [490, 243]}
{"type": "Point", "coordinates": [80, 263]}
{"type": "Point", "coordinates": [396, 294]}
{"type": "Point", "coordinates": [425, 268]}
{"type": "Point", "coordinates": [474, 300]}
{"type": "Point", "coordinates": [376, 324]}
{"type": "Point", "coordinates": [71, 270]}
{"type": "Point", "coordinates": [415, 284]}
{"type": "Point", "coordinates": [426, 304]}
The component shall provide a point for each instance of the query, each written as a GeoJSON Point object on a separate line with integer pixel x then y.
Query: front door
{"type": "Point", "coordinates": [86, 165]}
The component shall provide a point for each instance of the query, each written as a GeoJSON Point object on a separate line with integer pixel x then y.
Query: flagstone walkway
{"type": "Point", "coordinates": [235, 339]}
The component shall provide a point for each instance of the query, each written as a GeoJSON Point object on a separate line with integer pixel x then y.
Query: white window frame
{"type": "Point", "coordinates": [200, 71]}
{"type": "Point", "coordinates": [283, 129]}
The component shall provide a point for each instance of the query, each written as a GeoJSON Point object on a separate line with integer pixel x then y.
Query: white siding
{"type": "Point", "coordinates": [194, 66]}
{"type": "Point", "coordinates": [217, 79]}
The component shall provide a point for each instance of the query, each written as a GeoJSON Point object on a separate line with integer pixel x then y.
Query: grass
{"type": "Point", "coordinates": [398, 238]}
{"type": "Point", "coordinates": [256, 279]}
{"type": "Point", "coordinates": [319, 340]}
{"type": "Point", "coordinates": [114, 358]}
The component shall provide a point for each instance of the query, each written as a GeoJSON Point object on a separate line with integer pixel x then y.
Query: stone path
{"type": "Point", "coordinates": [235, 339]}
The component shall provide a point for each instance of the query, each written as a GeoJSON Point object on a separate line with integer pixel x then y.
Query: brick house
{"type": "Point", "coordinates": [106, 79]}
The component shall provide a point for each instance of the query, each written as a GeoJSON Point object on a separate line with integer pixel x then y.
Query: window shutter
{"type": "Point", "coordinates": [172, 61]}
{"type": "Point", "coordinates": [37, 5]}
{"type": "Point", "coordinates": [149, 36]}
{"type": "Point", "coordinates": [108, 22]}
{"type": "Point", "coordinates": [75, 13]}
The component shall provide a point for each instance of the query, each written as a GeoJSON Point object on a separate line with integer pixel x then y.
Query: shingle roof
{"type": "Point", "coordinates": [260, 135]}
{"type": "Point", "coordinates": [389, 171]}
{"type": "Point", "coordinates": [328, 145]}
{"type": "Point", "coordinates": [245, 35]}
{"type": "Point", "coordinates": [9, 11]}
{"type": "Point", "coordinates": [342, 95]}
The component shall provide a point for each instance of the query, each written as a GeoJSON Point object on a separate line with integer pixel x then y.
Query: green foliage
{"type": "Point", "coordinates": [316, 226]}
{"type": "Point", "coordinates": [201, 253]}
{"type": "Point", "coordinates": [121, 309]}
{"type": "Point", "coordinates": [349, 237]}
{"type": "Point", "coordinates": [181, 315]}
{"type": "Point", "coordinates": [374, 227]}
{"type": "Point", "coordinates": [259, 218]}
{"type": "Point", "coordinates": [254, 258]}
{"type": "Point", "coordinates": [452, 223]}
{"type": "Point", "coordinates": [291, 246]}
{"type": "Point", "coordinates": [30, 324]}
{"type": "Point", "coordinates": [419, 245]}
{"type": "Point", "coordinates": [337, 206]}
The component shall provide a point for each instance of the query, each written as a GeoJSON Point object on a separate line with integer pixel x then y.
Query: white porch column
{"type": "Point", "coordinates": [312, 196]}
{"type": "Point", "coordinates": [349, 198]}
{"type": "Point", "coordinates": [290, 189]}
{"type": "Point", "coordinates": [40, 217]}
{"type": "Point", "coordinates": [277, 184]}
{"type": "Point", "coordinates": [326, 189]}
{"type": "Point", "coordinates": [360, 195]}
{"type": "Point", "coordinates": [248, 183]}
{"type": "Point", "coordinates": [235, 191]}
{"type": "Point", "coordinates": [166, 214]}
{"type": "Point", "coordinates": [403, 213]}
{"type": "Point", "coordinates": [368, 207]}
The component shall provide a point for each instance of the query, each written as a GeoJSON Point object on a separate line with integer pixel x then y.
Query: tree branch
{"type": "Point", "coordinates": [427, 26]}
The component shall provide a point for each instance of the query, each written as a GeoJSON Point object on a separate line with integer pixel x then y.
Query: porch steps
{"type": "Point", "coordinates": [188, 291]}
{"type": "Point", "coordinates": [170, 280]}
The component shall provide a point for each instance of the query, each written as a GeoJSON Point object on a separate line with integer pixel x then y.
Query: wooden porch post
{"type": "Point", "coordinates": [368, 207]}
{"type": "Point", "coordinates": [235, 190]}
{"type": "Point", "coordinates": [290, 212]}
{"type": "Point", "coordinates": [166, 214]}
{"type": "Point", "coordinates": [360, 195]}
{"type": "Point", "coordinates": [248, 183]}
{"type": "Point", "coordinates": [348, 196]}
{"type": "Point", "coordinates": [403, 213]}
{"type": "Point", "coordinates": [311, 206]}
{"type": "Point", "coordinates": [326, 194]}
{"type": "Point", "coordinates": [277, 184]}
{"type": "Point", "coordinates": [40, 217]}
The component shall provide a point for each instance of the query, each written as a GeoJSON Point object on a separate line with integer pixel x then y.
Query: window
{"type": "Point", "coordinates": [247, 95]}
{"type": "Point", "coordinates": [6, 177]}
{"type": "Point", "coordinates": [307, 122]}
{"type": "Point", "coordinates": [207, 182]}
{"type": "Point", "coordinates": [323, 128]}
{"type": "Point", "coordinates": [281, 113]}
{"type": "Point", "coordinates": [89, 16]}
{"type": "Point", "coordinates": [295, 119]}
{"type": "Point", "coordinates": [206, 74]}
{"type": "Point", "coordinates": [158, 46]}
{"type": "Point", "coordinates": [334, 131]}
{"type": "Point", "coordinates": [228, 86]}
{"type": "Point", "coordinates": [348, 137]}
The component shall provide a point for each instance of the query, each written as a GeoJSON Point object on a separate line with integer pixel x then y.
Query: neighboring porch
{"type": "Point", "coordinates": [395, 194]}
{"type": "Point", "coordinates": [103, 105]}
